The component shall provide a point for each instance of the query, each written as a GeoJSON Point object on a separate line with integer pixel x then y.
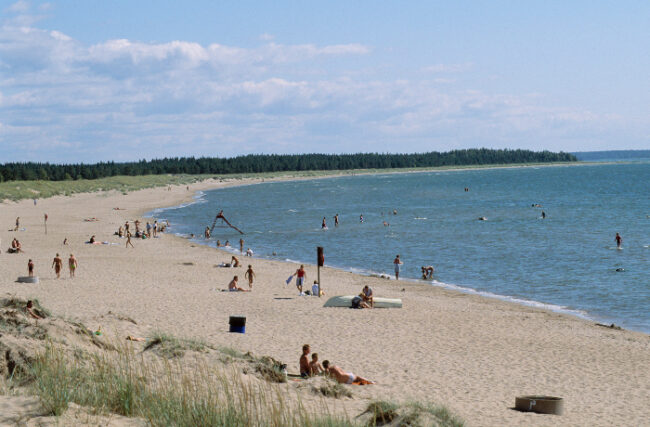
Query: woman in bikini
{"type": "Point", "coordinates": [72, 264]}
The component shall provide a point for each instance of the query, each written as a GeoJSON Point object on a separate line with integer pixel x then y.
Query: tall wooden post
{"type": "Point", "coordinates": [320, 263]}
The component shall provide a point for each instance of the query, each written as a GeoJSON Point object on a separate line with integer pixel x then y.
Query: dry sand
{"type": "Point", "coordinates": [469, 353]}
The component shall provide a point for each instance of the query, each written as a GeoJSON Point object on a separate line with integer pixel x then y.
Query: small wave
{"type": "Point", "coordinates": [420, 218]}
{"type": "Point", "coordinates": [521, 301]}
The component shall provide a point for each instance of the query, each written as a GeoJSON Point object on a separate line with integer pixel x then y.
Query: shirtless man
{"type": "Point", "coordinates": [72, 264]}
{"type": "Point", "coordinates": [30, 268]}
{"type": "Point", "coordinates": [234, 261]}
{"type": "Point", "coordinates": [366, 295]}
{"type": "Point", "coordinates": [305, 367]}
{"type": "Point", "coordinates": [17, 224]}
{"type": "Point", "coordinates": [206, 233]}
{"type": "Point", "coordinates": [323, 224]}
{"type": "Point", "coordinates": [250, 275]}
{"type": "Point", "coordinates": [241, 246]}
{"type": "Point", "coordinates": [57, 263]}
{"type": "Point", "coordinates": [336, 220]}
{"type": "Point", "coordinates": [342, 376]}
{"type": "Point", "coordinates": [427, 272]}
{"type": "Point", "coordinates": [619, 240]}
{"type": "Point", "coordinates": [232, 286]}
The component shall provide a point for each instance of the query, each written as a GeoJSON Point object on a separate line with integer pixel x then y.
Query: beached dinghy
{"type": "Point", "coordinates": [346, 301]}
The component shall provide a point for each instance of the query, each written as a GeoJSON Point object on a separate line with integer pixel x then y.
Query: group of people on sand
{"type": "Point", "coordinates": [150, 231]}
{"type": "Point", "coordinates": [310, 368]}
{"type": "Point", "coordinates": [57, 265]}
{"type": "Point", "coordinates": [16, 247]}
{"type": "Point", "coordinates": [365, 299]}
{"type": "Point", "coordinates": [233, 286]}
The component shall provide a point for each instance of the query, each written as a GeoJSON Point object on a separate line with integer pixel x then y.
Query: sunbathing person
{"type": "Point", "coordinates": [16, 246]}
{"type": "Point", "coordinates": [234, 261]}
{"type": "Point", "coordinates": [344, 377]}
{"type": "Point", "coordinates": [316, 368]}
{"type": "Point", "coordinates": [30, 310]}
{"type": "Point", "coordinates": [305, 366]}
{"type": "Point", "coordinates": [232, 286]}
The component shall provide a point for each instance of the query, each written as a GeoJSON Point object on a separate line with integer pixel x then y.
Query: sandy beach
{"type": "Point", "coordinates": [469, 353]}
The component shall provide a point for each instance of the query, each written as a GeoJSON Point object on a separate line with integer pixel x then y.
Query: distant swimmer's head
{"type": "Point", "coordinates": [620, 269]}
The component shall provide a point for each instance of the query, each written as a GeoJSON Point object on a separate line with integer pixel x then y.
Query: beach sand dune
{"type": "Point", "coordinates": [471, 354]}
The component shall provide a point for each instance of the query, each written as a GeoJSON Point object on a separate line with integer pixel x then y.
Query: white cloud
{"type": "Point", "coordinates": [123, 99]}
{"type": "Point", "coordinates": [20, 6]}
{"type": "Point", "coordinates": [448, 68]}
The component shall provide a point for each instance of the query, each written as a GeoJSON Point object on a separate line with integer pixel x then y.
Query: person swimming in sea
{"type": "Point", "coordinates": [323, 224]}
{"type": "Point", "coordinates": [361, 218]}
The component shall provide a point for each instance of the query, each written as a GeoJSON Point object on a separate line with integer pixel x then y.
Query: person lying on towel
{"type": "Point", "coordinates": [344, 377]}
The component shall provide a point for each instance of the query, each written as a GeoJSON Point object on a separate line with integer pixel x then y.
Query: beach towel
{"type": "Point", "coordinates": [289, 279]}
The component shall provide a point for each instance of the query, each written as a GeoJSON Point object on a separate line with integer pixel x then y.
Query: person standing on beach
{"type": "Point", "coordinates": [72, 264]}
{"type": "Point", "coordinates": [30, 268]}
{"type": "Point", "coordinates": [128, 239]}
{"type": "Point", "coordinates": [397, 262]}
{"type": "Point", "coordinates": [619, 240]}
{"type": "Point", "coordinates": [250, 274]}
{"type": "Point", "coordinates": [301, 275]}
{"type": "Point", "coordinates": [57, 263]}
{"type": "Point", "coordinates": [241, 246]}
{"type": "Point", "coordinates": [336, 220]}
{"type": "Point", "coordinates": [17, 224]}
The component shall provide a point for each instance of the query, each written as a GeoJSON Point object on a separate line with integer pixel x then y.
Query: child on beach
{"type": "Point", "coordinates": [30, 268]}
{"type": "Point", "coordinates": [316, 368]}
{"type": "Point", "coordinates": [250, 274]}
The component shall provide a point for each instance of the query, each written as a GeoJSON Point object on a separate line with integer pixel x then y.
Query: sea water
{"type": "Point", "coordinates": [567, 261]}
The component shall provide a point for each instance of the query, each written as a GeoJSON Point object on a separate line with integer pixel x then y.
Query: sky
{"type": "Point", "coordinates": [90, 80]}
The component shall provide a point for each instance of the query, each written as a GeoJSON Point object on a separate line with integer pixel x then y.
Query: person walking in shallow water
{"type": "Point", "coordinates": [619, 240]}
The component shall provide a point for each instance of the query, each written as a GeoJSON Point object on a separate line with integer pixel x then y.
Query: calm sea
{"type": "Point", "coordinates": [565, 262]}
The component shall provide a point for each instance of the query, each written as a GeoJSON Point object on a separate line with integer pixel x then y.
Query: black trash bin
{"type": "Point", "coordinates": [237, 324]}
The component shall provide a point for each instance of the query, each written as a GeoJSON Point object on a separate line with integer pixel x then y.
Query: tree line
{"type": "Point", "coordinates": [256, 163]}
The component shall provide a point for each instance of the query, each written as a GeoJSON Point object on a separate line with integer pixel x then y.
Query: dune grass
{"type": "Point", "coordinates": [383, 413]}
{"type": "Point", "coordinates": [164, 394]}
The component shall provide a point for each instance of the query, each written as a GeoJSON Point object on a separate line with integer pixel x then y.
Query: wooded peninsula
{"type": "Point", "coordinates": [258, 163]}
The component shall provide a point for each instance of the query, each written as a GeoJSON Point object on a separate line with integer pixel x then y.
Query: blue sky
{"type": "Point", "coordinates": [125, 80]}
